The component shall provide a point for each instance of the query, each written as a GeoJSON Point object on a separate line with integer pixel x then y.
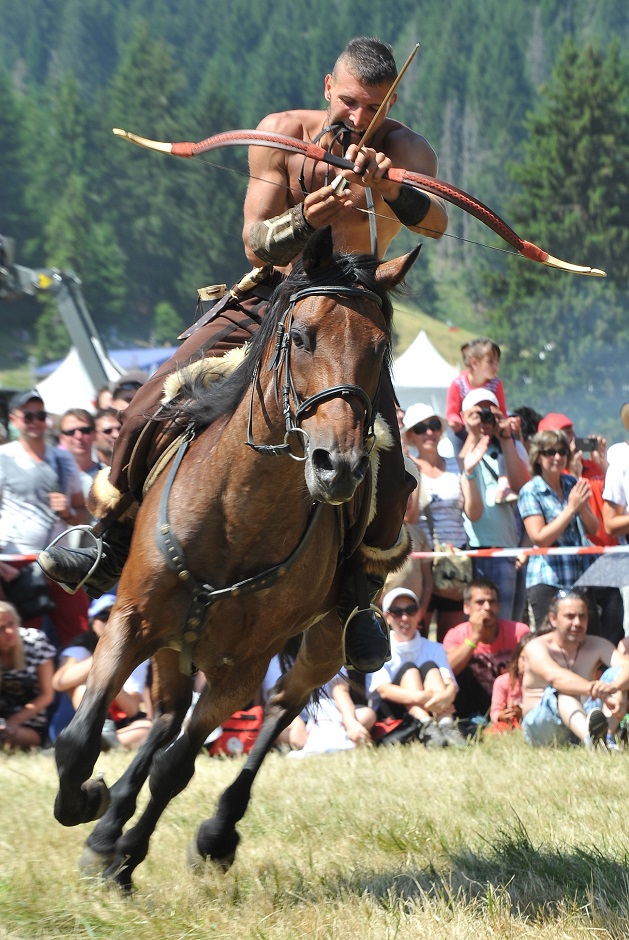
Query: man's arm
{"type": "Point", "coordinates": [539, 660]}
{"type": "Point", "coordinates": [615, 518]}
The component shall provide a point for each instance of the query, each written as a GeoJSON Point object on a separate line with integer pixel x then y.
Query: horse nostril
{"type": "Point", "coordinates": [322, 461]}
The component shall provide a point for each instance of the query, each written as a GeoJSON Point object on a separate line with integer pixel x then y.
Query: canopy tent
{"type": "Point", "coordinates": [69, 386]}
{"type": "Point", "coordinates": [422, 374]}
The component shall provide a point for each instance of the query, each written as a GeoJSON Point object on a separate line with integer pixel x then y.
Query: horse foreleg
{"type": "Point", "coordinates": [318, 660]}
{"type": "Point", "coordinates": [171, 695]}
{"type": "Point", "coordinates": [80, 799]}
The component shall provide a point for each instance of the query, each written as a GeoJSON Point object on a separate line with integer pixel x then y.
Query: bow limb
{"type": "Point", "coordinates": [451, 194]}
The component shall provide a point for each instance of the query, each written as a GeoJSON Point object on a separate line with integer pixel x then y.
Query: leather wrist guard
{"type": "Point", "coordinates": [280, 239]}
{"type": "Point", "coordinates": [411, 206]}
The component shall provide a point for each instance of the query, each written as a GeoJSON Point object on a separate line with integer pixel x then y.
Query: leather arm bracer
{"type": "Point", "coordinates": [282, 238]}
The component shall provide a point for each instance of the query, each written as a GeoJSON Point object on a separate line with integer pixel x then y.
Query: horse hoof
{"type": "Point", "coordinates": [198, 863]}
{"type": "Point", "coordinates": [98, 798]}
{"type": "Point", "coordinates": [93, 864]}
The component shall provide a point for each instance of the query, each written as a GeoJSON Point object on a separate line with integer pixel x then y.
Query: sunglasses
{"type": "Point", "coordinates": [107, 430]}
{"type": "Point", "coordinates": [400, 611]}
{"type": "Point", "coordinates": [433, 424]}
{"type": "Point", "coordinates": [34, 415]}
{"type": "Point", "coordinates": [551, 451]}
{"type": "Point", "coordinates": [83, 430]}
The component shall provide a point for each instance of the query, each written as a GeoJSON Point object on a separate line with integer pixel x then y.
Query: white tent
{"type": "Point", "coordinates": [69, 386]}
{"type": "Point", "coordinates": [422, 374]}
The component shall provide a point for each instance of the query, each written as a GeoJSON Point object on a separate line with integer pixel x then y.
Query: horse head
{"type": "Point", "coordinates": [339, 334]}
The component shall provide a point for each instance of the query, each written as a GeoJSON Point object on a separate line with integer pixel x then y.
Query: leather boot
{"type": "Point", "coordinates": [68, 566]}
{"type": "Point", "coordinates": [365, 636]}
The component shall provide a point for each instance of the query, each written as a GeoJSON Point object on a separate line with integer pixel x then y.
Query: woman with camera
{"type": "Point", "coordinates": [445, 495]}
{"type": "Point", "coordinates": [554, 506]}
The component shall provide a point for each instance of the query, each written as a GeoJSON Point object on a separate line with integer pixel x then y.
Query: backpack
{"type": "Point", "coordinates": [239, 733]}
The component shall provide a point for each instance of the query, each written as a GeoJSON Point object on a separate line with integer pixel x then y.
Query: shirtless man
{"type": "Point", "coordinates": [562, 700]}
{"type": "Point", "coordinates": [287, 199]}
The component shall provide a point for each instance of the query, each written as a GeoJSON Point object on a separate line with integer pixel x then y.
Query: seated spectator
{"type": "Point", "coordinates": [26, 668]}
{"type": "Point", "coordinates": [480, 648]}
{"type": "Point", "coordinates": [127, 724]}
{"type": "Point", "coordinates": [490, 443]}
{"type": "Point", "coordinates": [447, 494]}
{"type": "Point", "coordinates": [335, 722]}
{"type": "Point", "coordinates": [555, 510]}
{"type": "Point", "coordinates": [505, 711]}
{"type": "Point", "coordinates": [563, 701]}
{"type": "Point", "coordinates": [417, 678]}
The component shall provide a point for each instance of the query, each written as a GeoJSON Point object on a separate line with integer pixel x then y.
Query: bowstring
{"type": "Point", "coordinates": [248, 176]}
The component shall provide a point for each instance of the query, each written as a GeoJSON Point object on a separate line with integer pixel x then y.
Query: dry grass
{"type": "Point", "coordinates": [493, 842]}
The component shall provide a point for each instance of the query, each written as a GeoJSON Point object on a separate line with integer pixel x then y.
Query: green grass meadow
{"type": "Point", "coordinates": [496, 841]}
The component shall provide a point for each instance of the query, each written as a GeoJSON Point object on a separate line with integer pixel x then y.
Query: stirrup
{"type": "Point", "coordinates": [99, 553]}
{"type": "Point", "coordinates": [383, 621]}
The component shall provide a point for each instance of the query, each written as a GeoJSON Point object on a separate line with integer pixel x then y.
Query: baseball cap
{"type": "Point", "coordinates": [554, 422]}
{"type": "Point", "coordinates": [393, 595]}
{"type": "Point", "coordinates": [21, 398]}
{"type": "Point", "coordinates": [101, 604]}
{"type": "Point", "coordinates": [476, 396]}
{"type": "Point", "coordinates": [416, 413]}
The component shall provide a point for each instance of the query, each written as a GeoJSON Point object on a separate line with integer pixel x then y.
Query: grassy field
{"type": "Point", "coordinates": [496, 841]}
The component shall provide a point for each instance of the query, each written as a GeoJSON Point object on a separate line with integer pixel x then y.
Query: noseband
{"type": "Point", "coordinates": [280, 362]}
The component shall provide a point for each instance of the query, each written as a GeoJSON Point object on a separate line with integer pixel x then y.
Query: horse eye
{"type": "Point", "coordinates": [299, 339]}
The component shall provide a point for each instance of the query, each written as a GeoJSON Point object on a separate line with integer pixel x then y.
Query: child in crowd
{"type": "Point", "coordinates": [481, 361]}
{"type": "Point", "coordinates": [506, 698]}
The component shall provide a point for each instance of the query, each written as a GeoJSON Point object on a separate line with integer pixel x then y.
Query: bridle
{"type": "Point", "coordinates": [292, 406]}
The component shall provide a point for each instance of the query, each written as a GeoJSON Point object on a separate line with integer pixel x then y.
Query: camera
{"type": "Point", "coordinates": [487, 416]}
{"type": "Point", "coordinates": [586, 444]}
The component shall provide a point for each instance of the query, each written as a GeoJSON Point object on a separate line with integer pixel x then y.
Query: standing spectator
{"type": "Point", "coordinates": [480, 649]}
{"type": "Point", "coordinates": [106, 431]}
{"type": "Point", "coordinates": [76, 431]}
{"type": "Point", "coordinates": [417, 678]}
{"type": "Point", "coordinates": [555, 509]}
{"type": "Point", "coordinates": [447, 495]}
{"type": "Point", "coordinates": [489, 442]}
{"type": "Point", "coordinates": [40, 495]}
{"type": "Point", "coordinates": [26, 667]}
{"type": "Point", "coordinates": [608, 600]}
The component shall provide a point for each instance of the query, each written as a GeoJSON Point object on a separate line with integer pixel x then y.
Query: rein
{"type": "Point", "coordinates": [280, 362]}
{"type": "Point", "coordinates": [204, 594]}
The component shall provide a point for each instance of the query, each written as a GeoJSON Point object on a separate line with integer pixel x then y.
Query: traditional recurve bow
{"type": "Point", "coordinates": [453, 195]}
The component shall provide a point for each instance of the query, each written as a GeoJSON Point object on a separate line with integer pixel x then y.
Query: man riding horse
{"type": "Point", "coordinates": [288, 197]}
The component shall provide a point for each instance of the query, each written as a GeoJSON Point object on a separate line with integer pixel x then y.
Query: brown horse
{"type": "Point", "coordinates": [269, 534]}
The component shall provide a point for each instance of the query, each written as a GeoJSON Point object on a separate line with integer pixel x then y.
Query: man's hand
{"type": "Point", "coordinates": [369, 168]}
{"type": "Point", "coordinates": [323, 206]}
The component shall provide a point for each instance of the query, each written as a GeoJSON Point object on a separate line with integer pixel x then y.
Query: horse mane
{"type": "Point", "coordinates": [201, 405]}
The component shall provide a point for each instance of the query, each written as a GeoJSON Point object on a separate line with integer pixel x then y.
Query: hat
{"type": "Point", "coordinates": [132, 379]}
{"type": "Point", "coordinates": [478, 395]}
{"type": "Point", "coordinates": [393, 595]}
{"type": "Point", "coordinates": [416, 413]}
{"type": "Point", "coordinates": [100, 605]}
{"type": "Point", "coordinates": [21, 398]}
{"type": "Point", "coordinates": [554, 422]}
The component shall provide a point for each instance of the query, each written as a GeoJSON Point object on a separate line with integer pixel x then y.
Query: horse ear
{"type": "Point", "coordinates": [318, 250]}
{"type": "Point", "coordinates": [391, 273]}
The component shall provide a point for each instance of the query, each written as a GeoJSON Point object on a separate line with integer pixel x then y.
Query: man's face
{"type": "Point", "coordinates": [403, 617]}
{"type": "Point", "coordinates": [30, 420]}
{"type": "Point", "coordinates": [106, 435]}
{"type": "Point", "coordinates": [571, 619]}
{"type": "Point", "coordinates": [482, 608]}
{"type": "Point", "coordinates": [352, 103]}
{"type": "Point", "coordinates": [483, 417]}
{"type": "Point", "coordinates": [77, 435]}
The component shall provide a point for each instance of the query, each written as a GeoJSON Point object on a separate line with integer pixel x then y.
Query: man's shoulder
{"type": "Point", "coordinates": [10, 449]}
{"type": "Point", "coordinates": [456, 635]}
{"type": "Point", "coordinates": [405, 147]}
{"type": "Point", "coordinates": [299, 123]}
{"type": "Point", "coordinates": [512, 628]}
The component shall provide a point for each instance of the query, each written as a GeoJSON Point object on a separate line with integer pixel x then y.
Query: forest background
{"type": "Point", "coordinates": [526, 104]}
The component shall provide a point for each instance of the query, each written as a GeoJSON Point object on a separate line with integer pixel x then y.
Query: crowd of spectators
{"type": "Point", "coordinates": [519, 647]}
